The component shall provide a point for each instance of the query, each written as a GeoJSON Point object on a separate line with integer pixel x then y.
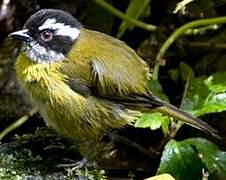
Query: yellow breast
{"type": "Point", "coordinates": [59, 105]}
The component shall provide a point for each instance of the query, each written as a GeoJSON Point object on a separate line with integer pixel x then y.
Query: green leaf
{"type": "Point", "coordinates": [153, 121]}
{"type": "Point", "coordinates": [211, 156]}
{"type": "Point", "coordinates": [185, 159]}
{"type": "Point", "coordinates": [206, 94]}
{"type": "Point", "coordinates": [136, 9]}
{"type": "Point", "coordinates": [181, 161]}
{"type": "Point", "coordinates": [165, 125]}
{"type": "Point", "coordinates": [185, 71]}
{"type": "Point", "coordinates": [156, 88]}
{"type": "Point", "coordinates": [174, 74]}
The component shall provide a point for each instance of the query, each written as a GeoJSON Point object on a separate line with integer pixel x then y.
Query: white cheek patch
{"type": "Point", "coordinates": [40, 54]}
{"type": "Point", "coordinates": [60, 28]}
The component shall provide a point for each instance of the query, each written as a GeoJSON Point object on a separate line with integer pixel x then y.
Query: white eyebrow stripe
{"type": "Point", "coordinates": [61, 28]}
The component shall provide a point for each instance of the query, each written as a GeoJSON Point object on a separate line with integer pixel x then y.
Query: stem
{"type": "Point", "coordinates": [179, 32]}
{"type": "Point", "coordinates": [17, 124]}
{"type": "Point", "coordinates": [178, 124]}
{"type": "Point", "coordinates": [175, 125]}
{"type": "Point", "coordinates": [116, 12]}
{"type": "Point", "coordinates": [206, 45]}
{"type": "Point", "coordinates": [202, 30]}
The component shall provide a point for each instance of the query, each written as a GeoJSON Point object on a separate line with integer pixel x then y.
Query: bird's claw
{"type": "Point", "coordinates": [77, 165]}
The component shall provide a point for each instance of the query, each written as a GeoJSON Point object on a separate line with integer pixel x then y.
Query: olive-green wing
{"type": "Point", "coordinates": [108, 64]}
{"type": "Point", "coordinates": [106, 67]}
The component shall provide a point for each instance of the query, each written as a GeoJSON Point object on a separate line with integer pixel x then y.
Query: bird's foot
{"type": "Point", "coordinates": [77, 165]}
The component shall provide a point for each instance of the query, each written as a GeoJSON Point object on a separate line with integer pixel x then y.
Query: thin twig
{"type": "Point", "coordinates": [207, 45]}
{"type": "Point", "coordinates": [202, 30]}
{"type": "Point", "coordinates": [17, 124]}
{"type": "Point", "coordinates": [175, 125]}
{"type": "Point", "coordinates": [116, 12]}
{"type": "Point", "coordinates": [178, 124]}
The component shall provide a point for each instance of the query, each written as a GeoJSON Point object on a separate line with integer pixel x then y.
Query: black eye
{"type": "Point", "coordinates": [46, 35]}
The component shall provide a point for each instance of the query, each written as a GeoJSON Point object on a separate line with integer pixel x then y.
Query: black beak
{"type": "Point", "coordinates": [21, 35]}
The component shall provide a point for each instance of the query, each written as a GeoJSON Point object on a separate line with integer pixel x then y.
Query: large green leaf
{"type": "Point", "coordinates": [186, 159]}
{"type": "Point", "coordinates": [135, 10]}
{"type": "Point", "coordinates": [181, 161]}
{"type": "Point", "coordinates": [206, 94]}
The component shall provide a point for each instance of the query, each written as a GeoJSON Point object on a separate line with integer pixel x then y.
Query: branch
{"type": "Point", "coordinates": [207, 45]}
{"type": "Point", "coordinates": [17, 124]}
{"type": "Point", "coordinates": [116, 12]}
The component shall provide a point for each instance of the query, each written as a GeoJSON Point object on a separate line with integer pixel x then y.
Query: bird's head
{"type": "Point", "coordinates": [48, 35]}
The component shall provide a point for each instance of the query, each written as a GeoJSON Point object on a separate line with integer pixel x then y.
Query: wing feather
{"type": "Point", "coordinates": [107, 64]}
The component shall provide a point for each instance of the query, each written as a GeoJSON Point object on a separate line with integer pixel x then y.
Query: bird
{"type": "Point", "coordinates": [85, 83]}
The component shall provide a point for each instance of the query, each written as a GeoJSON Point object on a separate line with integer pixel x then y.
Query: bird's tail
{"type": "Point", "coordinates": [187, 118]}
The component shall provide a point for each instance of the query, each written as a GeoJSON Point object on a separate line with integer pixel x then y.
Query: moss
{"type": "Point", "coordinates": [37, 156]}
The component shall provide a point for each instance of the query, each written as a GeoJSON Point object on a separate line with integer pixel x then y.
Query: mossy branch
{"type": "Point", "coordinates": [116, 12]}
{"type": "Point", "coordinates": [178, 33]}
{"type": "Point", "coordinates": [17, 124]}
